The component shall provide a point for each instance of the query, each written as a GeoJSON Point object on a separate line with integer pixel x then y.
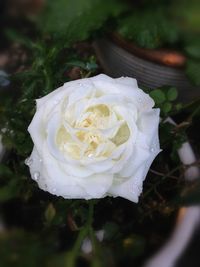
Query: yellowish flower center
{"type": "Point", "coordinates": [87, 138]}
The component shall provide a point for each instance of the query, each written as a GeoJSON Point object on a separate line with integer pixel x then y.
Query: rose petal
{"type": "Point", "coordinates": [97, 185]}
{"type": "Point", "coordinates": [148, 124]}
{"type": "Point", "coordinates": [137, 159]}
{"type": "Point", "coordinates": [129, 188]}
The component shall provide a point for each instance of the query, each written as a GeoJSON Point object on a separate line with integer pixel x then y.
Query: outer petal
{"type": "Point", "coordinates": [127, 81]}
{"type": "Point", "coordinates": [126, 87]}
{"type": "Point", "coordinates": [101, 77]}
{"type": "Point", "coordinates": [148, 123]}
{"type": "Point", "coordinates": [132, 188]}
{"type": "Point", "coordinates": [129, 189]}
{"type": "Point", "coordinates": [41, 101]}
{"type": "Point", "coordinates": [137, 160]}
{"type": "Point", "coordinates": [97, 185]}
{"type": "Point", "coordinates": [37, 129]}
{"type": "Point", "coordinates": [120, 163]}
{"type": "Point", "coordinates": [67, 88]}
{"type": "Point", "coordinates": [51, 177]}
{"type": "Point", "coordinates": [58, 181]}
{"type": "Point", "coordinates": [81, 91]}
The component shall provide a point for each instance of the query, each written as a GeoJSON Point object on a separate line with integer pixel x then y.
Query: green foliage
{"type": "Point", "coordinates": [75, 20]}
{"type": "Point", "coordinates": [172, 136]}
{"type": "Point", "coordinates": [112, 231]}
{"type": "Point", "coordinates": [22, 247]}
{"type": "Point", "coordinates": [164, 98]}
{"type": "Point", "coordinates": [172, 94]}
{"type": "Point", "coordinates": [167, 106]}
{"type": "Point", "coordinates": [193, 49]}
{"type": "Point", "coordinates": [149, 28]}
{"type": "Point", "coordinates": [158, 96]}
{"type": "Point", "coordinates": [41, 78]}
{"type": "Point", "coordinates": [173, 24]}
{"type": "Point", "coordinates": [9, 191]}
{"type": "Point", "coordinates": [193, 71]}
{"type": "Point", "coordinates": [5, 172]}
{"type": "Point", "coordinates": [50, 213]}
{"type": "Point", "coordinates": [88, 66]}
{"type": "Point", "coordinates": [187, 14]}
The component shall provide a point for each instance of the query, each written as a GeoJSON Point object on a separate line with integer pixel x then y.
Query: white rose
{"type": "Point", "coordinates": [93, 138]}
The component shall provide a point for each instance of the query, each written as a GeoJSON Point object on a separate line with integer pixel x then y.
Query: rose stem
{"type": "Point", "coordinates": [85, 230]}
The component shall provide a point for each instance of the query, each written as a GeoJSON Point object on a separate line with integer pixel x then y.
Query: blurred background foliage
{"type": "Point", "coordinates": [47, 43]}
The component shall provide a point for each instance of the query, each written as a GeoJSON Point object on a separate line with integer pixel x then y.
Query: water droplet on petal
{"type": "Point", "coordinates": [36, 176]}
{"type": "Point", "coordinates": [90, 155]}
{"type": "Point", "coordinates": [28, 161]}
{"type": "Point", "coordinates": [139, 188]}
{"type": "Point", "coordinates": [152, 149]}
{"type": "Point", "coordinates": [45, 186]}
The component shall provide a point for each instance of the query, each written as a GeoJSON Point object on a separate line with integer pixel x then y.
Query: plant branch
{"type": "Point", "coordinates": [84, 231]}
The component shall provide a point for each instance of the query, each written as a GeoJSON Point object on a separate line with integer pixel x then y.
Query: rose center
{"type": "Point", "coordinates": [87, 137]}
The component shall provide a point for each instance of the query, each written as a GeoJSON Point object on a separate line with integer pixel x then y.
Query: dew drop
{"type": "Point", "coordinates": [45, 186]}
{"type": "Point", "coordinates": [139, 188]}
{"type": "Point", "coordinates": [36, 176]}
{"type": "Point", "coordinates": [28, 161]}
{"type": "Point", "coordinates": [152, 149]}
{"type": "Point", "coordinates": [90, 155]}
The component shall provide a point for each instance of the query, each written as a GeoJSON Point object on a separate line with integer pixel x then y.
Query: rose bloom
{"type": "Point", "coordinates": [94, 137]}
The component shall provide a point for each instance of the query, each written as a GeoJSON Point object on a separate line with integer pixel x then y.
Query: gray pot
{"type": "Point", "coordinates": [117, 62]}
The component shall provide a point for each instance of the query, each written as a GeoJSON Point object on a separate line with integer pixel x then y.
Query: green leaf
{"type": "Point", "coordinates": [179, 106]}
{"type": "Point", "coordinates": [111, 230]}
{"type": "Point", "coordinates": [22, 249]}
{"type": "Point", "coordinates": [75, 20]}
{"type": "Point", "coordinates": [158, 96]}
{"type": "Point", "coordinates": [5, 171]}
{"type": "Point", "coordinates": [193, 71]}
{"type": "Point", "coordinates": [166, 107]}
{"type": "Point", "coordinates": [188, 14]}
{"type": "Point", "coordinates": [172, 94]}
{"type": "Point", "coordinates": [193, 50]}
{"type": "Point", "coordinates": [18, 37]}
{"type": "Point", "coordinates": [50, 213]}
{"type": "Point", "coordinates": [76, 63]}
{"type": "Point", "coordinates": [9, 191]}
{"type": "Point", "coordinates": [91, 66]}
{"type": "Point", "coordinates": [149, 28]}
